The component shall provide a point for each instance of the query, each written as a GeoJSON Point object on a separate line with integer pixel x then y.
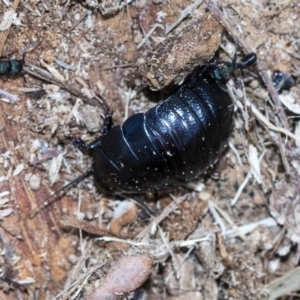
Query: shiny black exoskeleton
{"type": "Point", "coordinates": [11, 67]}
{"type": "Point", "coordinates": [173, 142]}
{"type": "Point", "coordinates": [170, 144]}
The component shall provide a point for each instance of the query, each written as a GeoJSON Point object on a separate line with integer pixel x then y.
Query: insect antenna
{"type": "Point", "coordinates": [54, 197]}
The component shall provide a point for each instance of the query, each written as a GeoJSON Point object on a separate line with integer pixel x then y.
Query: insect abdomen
{"type": "Point", "coordinates": [170, 144]}
{"type": "Point", "coordinates": [194, 124]}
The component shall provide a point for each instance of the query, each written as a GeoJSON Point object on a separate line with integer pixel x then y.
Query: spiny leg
{"type": "Point", "coordinates": [147, 209]}
{"type": "Point", "coordinates": [54, 197]}
{"type": "Point", "coordinates": [78, 142]}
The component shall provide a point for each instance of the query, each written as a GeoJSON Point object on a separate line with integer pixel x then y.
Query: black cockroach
{"type": "Point", "coordinates": [170, 144]}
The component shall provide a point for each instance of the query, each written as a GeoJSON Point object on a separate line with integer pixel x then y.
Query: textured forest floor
{"type": "Point", "coordinates": [233, 234]}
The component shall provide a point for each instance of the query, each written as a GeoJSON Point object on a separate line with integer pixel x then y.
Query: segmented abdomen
{"type": "Point", "coordinates": [171, 143]}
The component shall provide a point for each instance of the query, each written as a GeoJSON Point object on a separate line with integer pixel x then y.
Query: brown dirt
{"type": "Point", "coordinates": [88, 48]}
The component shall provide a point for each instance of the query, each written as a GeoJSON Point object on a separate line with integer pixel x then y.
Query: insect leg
{"type": "Point", "coordinates": [106, 128]}
{"type": "Point", "coordinates": [29, 49]}
{"type": "Point", "coordinates": [107, 123]}
{"type": "Point", "coordinates": [147, 209]}
{"type": "Point", "coordinates": [54, 197]}
{"type": "Point", "coordinates": [78, 142]}
{"type": "Point", "coordinates": [107, 116]}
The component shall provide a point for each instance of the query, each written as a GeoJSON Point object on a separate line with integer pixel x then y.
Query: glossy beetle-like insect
{"type": "Point", "coordinates": [12, 66]}
{"type": "Point", "coordinates": [170, 144]}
